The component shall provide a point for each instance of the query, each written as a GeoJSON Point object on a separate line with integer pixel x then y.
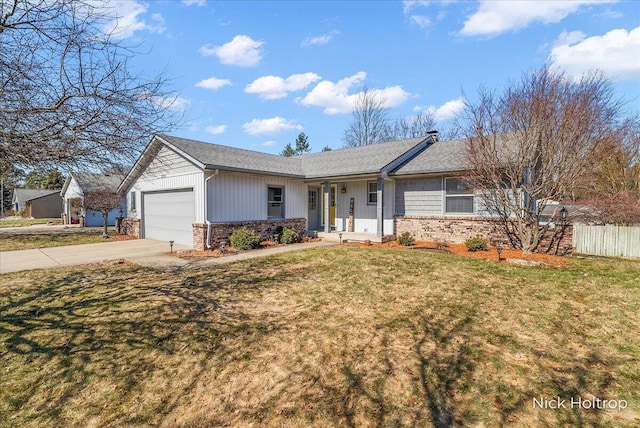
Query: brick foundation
{"type": "Point", "coordinates": [220, 232]}
{"type": "Point", "coordinates": [459, 229]}
{"type": "Point", "coordinates": [129, 226]}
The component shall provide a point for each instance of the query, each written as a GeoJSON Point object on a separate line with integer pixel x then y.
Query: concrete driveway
{"type": "Point", "coordinates": [137, 250]}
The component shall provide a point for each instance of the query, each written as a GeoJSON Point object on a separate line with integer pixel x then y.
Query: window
{"type": "Point", "coordinates": [372, 193]}
{"type": "Point", "coordinates": [132, 203]}
{"type": "Point", "coordinates": [312, 200]}
{"type": "Point", "coordinates": [458, 197]}
{"type": "Point", "coordinates": [275, 205]}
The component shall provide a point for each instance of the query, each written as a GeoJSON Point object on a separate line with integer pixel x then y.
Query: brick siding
{"type": "Point", "coordinates": [220, 232]}
{"type": "Point", "coordinates": [459, 229]}
{"type": "Point", "coordinates": [128, 226]}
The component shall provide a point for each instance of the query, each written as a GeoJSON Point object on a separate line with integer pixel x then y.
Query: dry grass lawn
{"type": "Point", "coordinates": [325, 337]}
{"type": "Point", "coordinates": [24, 241]}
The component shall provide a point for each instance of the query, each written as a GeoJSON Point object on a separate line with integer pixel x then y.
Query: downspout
{"type": "Point", "coordinates": [206, 207]}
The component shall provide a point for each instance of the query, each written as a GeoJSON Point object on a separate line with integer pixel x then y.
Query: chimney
{"type": "Point", "coordinates": [434, 135]}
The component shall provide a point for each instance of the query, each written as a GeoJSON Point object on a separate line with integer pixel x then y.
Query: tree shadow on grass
{"type": "Point", "coordinates": [111, 325]}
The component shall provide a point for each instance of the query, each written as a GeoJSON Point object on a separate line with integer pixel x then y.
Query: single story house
{"type": "Point", "coordinates": [37, 203]}
{"type": "Point", "coordinates": [196, 193]}
{"type": "Point", "coordinates": [79, 183]}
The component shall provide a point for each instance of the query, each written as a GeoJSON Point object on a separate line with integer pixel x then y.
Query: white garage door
{"type": "Point", "coordinates": [168, 216]}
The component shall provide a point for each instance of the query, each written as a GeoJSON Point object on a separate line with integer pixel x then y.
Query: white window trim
{"type": "Point", "coordinates": [463, 195]}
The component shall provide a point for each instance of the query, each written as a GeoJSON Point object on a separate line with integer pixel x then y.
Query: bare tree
{"type": "Point", "coordinates": [536, 142]}
{"type": "Point", "coordinates": [415, 126]}
{"type": "Point", "coordinates": [67, 92]}
{"type": "Point", "coordinates": [369, 120]}
{"type": "Point", "coordinates": [613, 182]}
{"type": "Point", "coordinates": [102, 201]}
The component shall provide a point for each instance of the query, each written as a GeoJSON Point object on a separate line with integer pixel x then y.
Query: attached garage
{"type": "Point", "coordinates": [169, 216]}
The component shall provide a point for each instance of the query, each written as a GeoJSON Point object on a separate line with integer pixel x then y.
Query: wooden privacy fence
{"type": "Point", "coordinates": [608, 240]}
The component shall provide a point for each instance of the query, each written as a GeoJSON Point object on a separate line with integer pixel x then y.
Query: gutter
{"type": "Point", "coordinates": [206, 207]}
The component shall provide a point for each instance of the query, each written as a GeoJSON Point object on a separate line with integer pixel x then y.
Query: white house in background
{"type": "Point", "coordinates": [196, 193]}
{"type": "Point", "coordinates": [79, 183]}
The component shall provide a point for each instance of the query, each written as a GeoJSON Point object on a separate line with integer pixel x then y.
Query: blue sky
{"type": "Point", "coordinates": [256, 74]}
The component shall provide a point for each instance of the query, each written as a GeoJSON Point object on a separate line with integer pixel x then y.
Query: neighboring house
{"type": "Point", "coordinates": [79, 183]}
{"type": "Point", "coordinates": [197, 193]}
{"type": "Point", "coordinates": [37, 203]}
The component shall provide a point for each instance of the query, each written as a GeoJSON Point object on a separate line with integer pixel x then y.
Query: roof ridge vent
{"type": "Point", "coordinates": [434, 135]}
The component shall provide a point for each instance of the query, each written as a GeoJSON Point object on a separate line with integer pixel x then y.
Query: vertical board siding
{"type": "Point", "coordinates": [365, 215]}
{"type": "Point", "coordinates": [243, 197]}
{"type": "Point", "coordinates": [609, 240]}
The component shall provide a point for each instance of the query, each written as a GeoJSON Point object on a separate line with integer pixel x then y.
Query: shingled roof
{"type": "Point", "coordinates": [443, 156]}
{"type": "Point", "coordinates": [357, 160]}
{"type": "Point", "coordinates": [211, 156]}
{"type": "Point", "coordinates": [351, 161]}
{"type": "Point", "coordinates": [24, 195]}
{"type": "Point", "coordinates": [404, 157]}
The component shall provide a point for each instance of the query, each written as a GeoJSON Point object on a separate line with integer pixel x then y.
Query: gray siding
{"type": "Point", "coordinates": [419, 196]}
{"type": "Point", "coordinates": [243, 197]}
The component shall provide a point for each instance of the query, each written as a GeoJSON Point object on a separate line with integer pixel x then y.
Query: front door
{"type": "Point", "coordinates": [314, 196]}
{"type": "Point", "coordinates": [332, 206]}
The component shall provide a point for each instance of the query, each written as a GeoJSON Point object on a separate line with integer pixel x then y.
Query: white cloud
{"type": "Point", "coordinates": [421, 21]}
{"type": "Point", "coordinates": [216, 130]}
{"type": "Point", "coordinates": [569, 38]}
{"type": "Point", "coordinates": [274, 87]}
{"type": "Point", "coordinates": [446, 111]}
{"type": "Point", "coordinates": [269, 126]}
{"type": "Point", "coordinates": [128, 18]}
{"type": "Point", "coordinates": [407, 6]}
{"type": "Point", "coordinates": [335, 97]}
{"type": "Point", "coordinates": [320, 40]}
{"type": "Point", "coordinates": [213, 83]}
{"type": "Point", "coordinates": [195, 2]}
{"type": "Point", "coordinates": [175, 102]}
{"type": "Point", "coordinates": [242, 51]}
{"type": "Point", "coordinates": [616, 54]}
{"type": "Point", "coordinates": [496, 17]}
{"type": "Point", "coordinates": [268, 143]}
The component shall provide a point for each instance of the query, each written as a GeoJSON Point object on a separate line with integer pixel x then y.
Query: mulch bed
{"type": "Point", "coordinates": [507, 254]}
{"type": "Point", "coordinates": [193, 254]}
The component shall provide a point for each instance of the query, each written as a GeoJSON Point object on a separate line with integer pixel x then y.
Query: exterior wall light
{"type": "Point", "coordinates": [563, 215]}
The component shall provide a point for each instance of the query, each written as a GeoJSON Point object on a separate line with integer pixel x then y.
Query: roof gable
{"type": "Point", "coordinates": [25, 195]}
{"type": "Point", "coordinates": [380, 158]}
{"type": "Point", "coordinates": [93, 182]}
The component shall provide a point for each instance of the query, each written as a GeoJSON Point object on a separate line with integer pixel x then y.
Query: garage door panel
{"type": "Point", "coordinates": [168, 216]}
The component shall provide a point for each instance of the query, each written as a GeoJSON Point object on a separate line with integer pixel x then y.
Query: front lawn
{"type": "Point", "coordinates": [22, 222]}
{"type": "Point", "coordinates": [24, 241]}
{"type": "Point", "coordinates": [324, 337]}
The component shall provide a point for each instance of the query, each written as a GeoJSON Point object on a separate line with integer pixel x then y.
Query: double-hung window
{"type": "Point", "coordinates": [275, 204]}
{"type": "Point", "coordinates": [372, 193]}
{"type": "Point", "coordinates": [458, 197]}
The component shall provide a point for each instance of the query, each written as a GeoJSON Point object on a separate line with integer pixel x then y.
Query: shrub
{"type": "Point", "coordinates": [406, 239]}
{"type": "Point", "coordinates": [244, 239]}
{"type": "Point", "coordinates": [476, 244]}
{"type": "Point", "coordinates": [289, 236]}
